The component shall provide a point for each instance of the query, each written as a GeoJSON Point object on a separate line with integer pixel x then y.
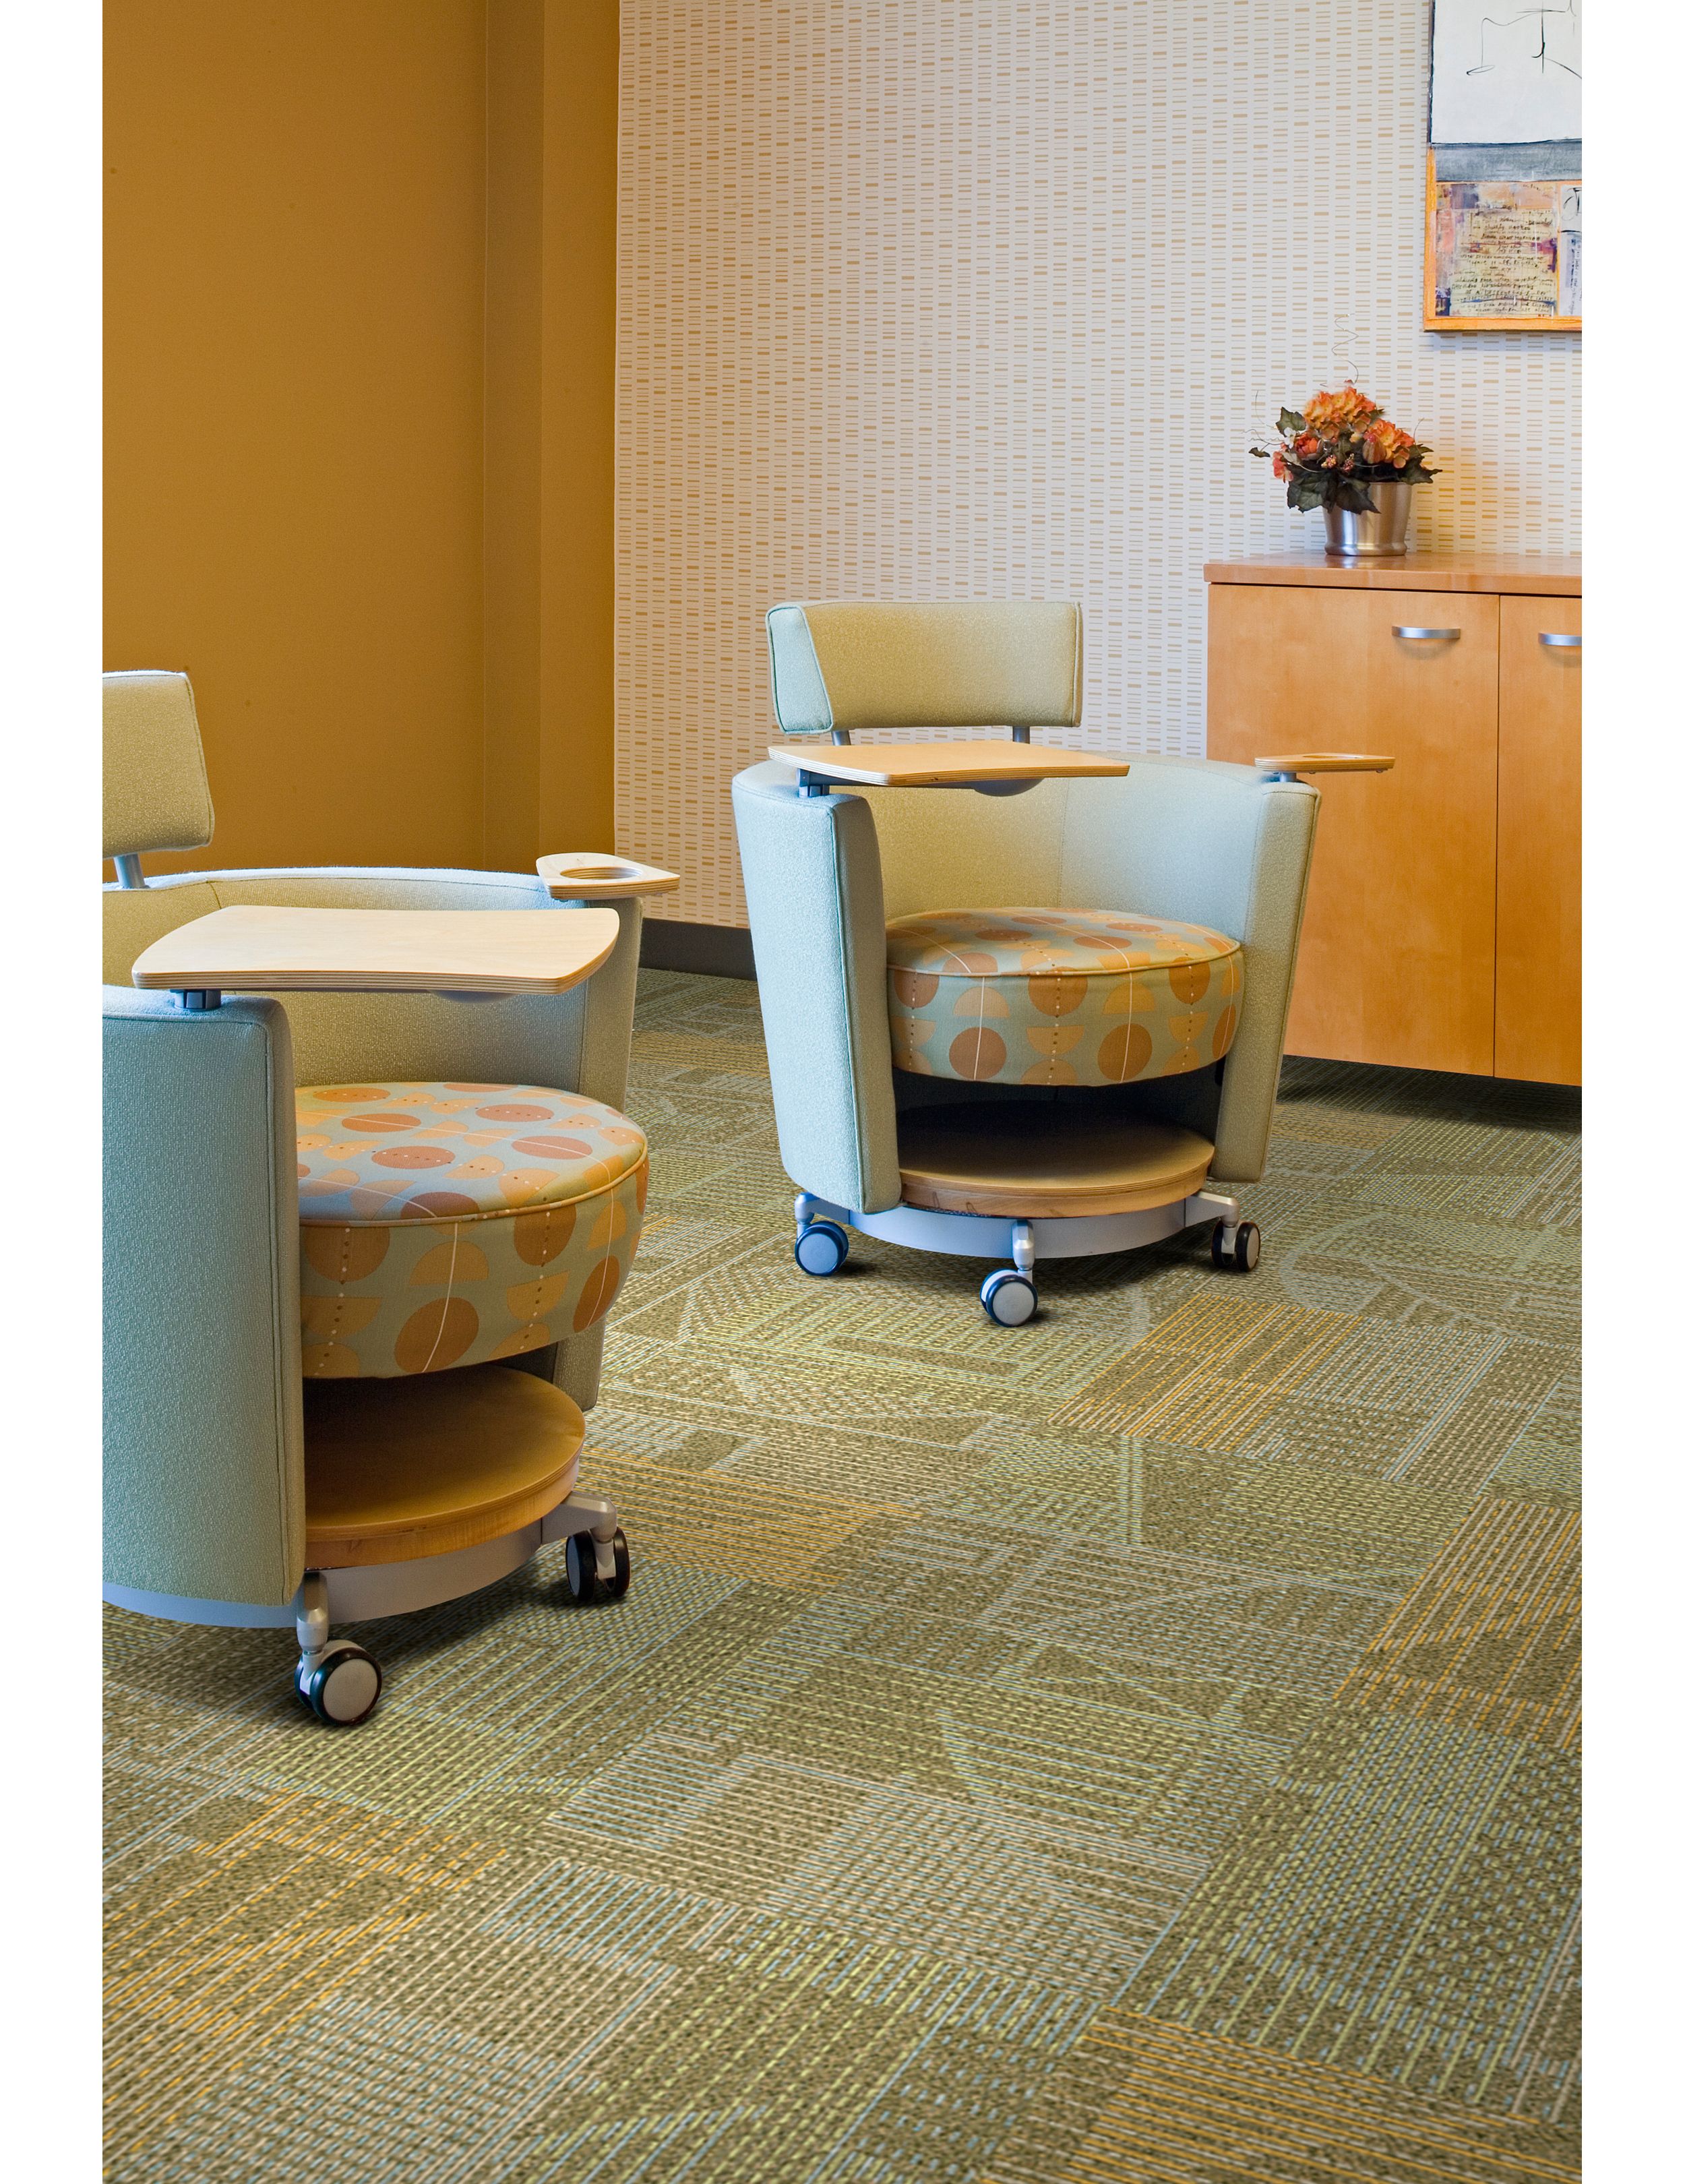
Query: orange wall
{"type": "Point", "coordinates": [553, 112]}
{"type": "Point", "coordinates": [581, 91]}
{"type": "Point", "coordinates": [321, 423]}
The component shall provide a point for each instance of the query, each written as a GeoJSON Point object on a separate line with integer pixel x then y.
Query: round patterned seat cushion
{"type": "Point", "coordinates": [445, 1225]}
{"type": "Point", "coordinates": [1059, 996]}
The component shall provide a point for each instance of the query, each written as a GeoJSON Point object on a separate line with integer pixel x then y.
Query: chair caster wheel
{"type": "Point", "coordinates": [1240, 1254]}
{"type": "Point", "coordinates": [1009, 1297]}
{"type": "Point", "coordinates": [343, 1687]}
{"type": "Point", "coordinates": [582, 1566]}
{"type": "Point", "coordinates": [821, 1247]}
{"type": "Point", "coordinates": [584, 1585]}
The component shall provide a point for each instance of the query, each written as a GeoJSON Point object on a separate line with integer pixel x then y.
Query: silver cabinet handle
{"type": "Point", "coordinates": [1562, 637]}
{"type": "Point", "coordinates": [1401, 629]}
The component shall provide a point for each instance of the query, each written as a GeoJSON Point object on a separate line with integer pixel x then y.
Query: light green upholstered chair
{"type": "Point", "coordinates": [1043, 1020]}
{"type": "Point", "coordinates": [471, 1197]}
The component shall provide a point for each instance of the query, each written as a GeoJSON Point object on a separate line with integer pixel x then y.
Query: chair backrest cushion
{"type": "Point", "coordinates": [984, 664]}
{"type": "Point", "coordinates": [156, 793]}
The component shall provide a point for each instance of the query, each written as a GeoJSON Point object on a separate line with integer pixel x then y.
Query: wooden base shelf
{"type": "Point", "coordinates": [1038, 1161]}
{"type": "Point", "coordinates": [396, 1469]}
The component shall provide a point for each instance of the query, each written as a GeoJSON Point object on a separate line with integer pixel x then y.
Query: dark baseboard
{"type": "Point", "coordinates": [718, 951]}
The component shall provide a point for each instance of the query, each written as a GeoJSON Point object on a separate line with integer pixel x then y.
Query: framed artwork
{"type": "Point", "coordinates": [1504, 239]}
{"type": "Point", "coordinates": [1507, 75]}
{"type": "Point", "coordinates": [1503, 251]}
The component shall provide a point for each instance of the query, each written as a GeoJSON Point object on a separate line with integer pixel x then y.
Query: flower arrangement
{"type": "Point", "coordinates": [1341, 445]}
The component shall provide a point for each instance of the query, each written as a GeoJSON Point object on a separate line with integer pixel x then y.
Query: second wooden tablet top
{"type": "Point", "coordinates": [257, 949]}
{"type": "Point", "coordinates": [937, 766]}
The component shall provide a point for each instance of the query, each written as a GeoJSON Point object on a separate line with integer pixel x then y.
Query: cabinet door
{"type": "Point", "coordinates": [1395, 963]}
{"type": "Point", "coordinates": [1537, 1030]}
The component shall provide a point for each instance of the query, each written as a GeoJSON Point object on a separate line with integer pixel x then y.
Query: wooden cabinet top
{"type": "Point", "coordinates": [1557, 574]}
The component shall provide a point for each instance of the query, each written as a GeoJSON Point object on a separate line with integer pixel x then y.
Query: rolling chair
{"type": "Point", "coordinates": [1040, 1021]}
{"type": "Point", "coordinates": [358, 1248]}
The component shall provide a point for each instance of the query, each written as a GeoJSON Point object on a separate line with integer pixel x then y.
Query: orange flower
{"type": "Point", "coordinates": [1330, 414]}
{"type": "Point", "coordinates": [1343, 432]}
{"type": "Point", "coordinates": [1387, 444]}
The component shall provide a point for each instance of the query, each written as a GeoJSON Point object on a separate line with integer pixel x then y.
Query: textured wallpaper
{"type": "Point", "coordinates": [972, 299]}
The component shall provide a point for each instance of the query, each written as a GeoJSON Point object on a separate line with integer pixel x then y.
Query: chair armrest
{"type": "Point", "coordinates": [204, 1463]}
{"type": "Point", "coordinates": [1218, 846]}
{"type": "Point", "coordinates": [1286, 832]}
{"type": "Point", "coordinates": [816, 898]}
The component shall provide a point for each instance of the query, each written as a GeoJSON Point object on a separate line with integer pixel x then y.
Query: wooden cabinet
{"type": "Point", "coordinates": [1441, 927]}
{"type": "Point", "coordinates": [1537, 1012]}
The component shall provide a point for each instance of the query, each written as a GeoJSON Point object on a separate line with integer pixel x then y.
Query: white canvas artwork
{"type": "Point", "coordinates": [1504, 74]}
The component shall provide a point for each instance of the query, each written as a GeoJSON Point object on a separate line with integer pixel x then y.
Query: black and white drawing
{"type": "Point", "coordinates": [1506, 73]}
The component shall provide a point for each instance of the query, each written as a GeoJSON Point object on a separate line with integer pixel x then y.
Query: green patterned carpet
{"type": "Point", "coordinates": [1139, 1748]}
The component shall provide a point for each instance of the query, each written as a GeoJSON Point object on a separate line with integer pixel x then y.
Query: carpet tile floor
{"type": "Point", "coordinates": [1138, 1748]}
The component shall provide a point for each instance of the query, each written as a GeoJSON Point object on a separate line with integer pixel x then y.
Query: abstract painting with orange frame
{"type": "Point", "coordinates": [1502, 254]}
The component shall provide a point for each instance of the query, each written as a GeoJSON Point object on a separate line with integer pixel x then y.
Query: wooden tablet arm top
{"type": "Point", "coordinates": [1327, 762]}
{"type": "Point", "coordinates": [597, 876]}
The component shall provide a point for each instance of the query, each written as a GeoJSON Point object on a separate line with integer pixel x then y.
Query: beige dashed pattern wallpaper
{"type": "Point", "coordinates": [986, 299]}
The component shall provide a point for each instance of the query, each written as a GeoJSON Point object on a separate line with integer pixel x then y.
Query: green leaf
{"type": "Point", "coordinates": [1290, 422]}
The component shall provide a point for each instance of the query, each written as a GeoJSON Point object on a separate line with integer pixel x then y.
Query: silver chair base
{"type": "Point", "coordinates": [1008, 1295]}
{"type": "Point", "coordinates": [367, 1592]}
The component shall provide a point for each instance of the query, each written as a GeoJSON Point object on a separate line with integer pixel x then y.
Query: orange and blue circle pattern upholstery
{"type": "Point", "coordinates": [446, 1224]}
{"type": "Point", "coordinates": [1059, 996]}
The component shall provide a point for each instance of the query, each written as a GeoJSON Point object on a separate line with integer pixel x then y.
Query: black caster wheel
{"type": "Point", "coordinates": [583, 1582]}
{"type": "Point", "coordinates": [343, 1688]}
{"type": "Point", "coordinates": [1244, 1252]}
{"type": "Point", "coordinates": [581, 1561]}
{"type": "Point", "coordinates": [821, 1247]}
{"type": "Point", "coordinates": [1009, 1297]}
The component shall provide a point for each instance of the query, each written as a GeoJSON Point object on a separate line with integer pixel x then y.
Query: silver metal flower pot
{"type": "Point", "coordinates": [1384, 530]}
